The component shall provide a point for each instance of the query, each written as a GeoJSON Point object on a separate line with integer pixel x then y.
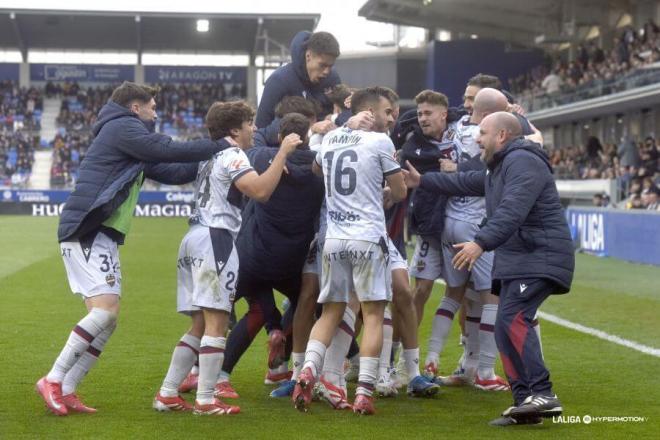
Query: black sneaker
{"type": "Point", "coordinates": [537, 406]}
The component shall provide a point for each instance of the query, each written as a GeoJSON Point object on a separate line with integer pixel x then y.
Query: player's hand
{"type": "Point", "coordinates": [516, 108]}
{"type": "Point", "coordinates": [447, 166]}
{"type": "Point", "coordinates": [362, 121]}
{"type": "Point", "coordinates": [469, 253]}
{"type": "Point", "coordinates": [290, 143]}
{"type": "Point", "coordinates": [387, 198]}
{"type": "Point", "coordinates": [411, 176]}
{"type": "Point", "coordinates": [322, 127]}
{"type": "Point", "coordinates": [231, 141]}
{"type": "Point", "coordinates": [347, 101]}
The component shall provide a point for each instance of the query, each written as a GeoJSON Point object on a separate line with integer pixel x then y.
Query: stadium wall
{"type": "Point", "coordinates": [452, 63]}
{"type": "Point", "coordinates": [50, 203]}
{"type": "Point", "coordinates": [627, 235]}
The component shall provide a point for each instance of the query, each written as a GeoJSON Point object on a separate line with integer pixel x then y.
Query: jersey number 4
{"type": "Point", "coordinates": [338, 169]}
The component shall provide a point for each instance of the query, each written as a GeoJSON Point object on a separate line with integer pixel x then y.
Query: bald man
{"type": "Point", "coordinates": [526, 227]}
{"type": "Point", "coordinates": [471, 288]}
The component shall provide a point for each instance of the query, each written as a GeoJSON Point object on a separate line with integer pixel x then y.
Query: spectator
{"type": "Point", "coordinates": [551, 83]}
{"type": "Point", "coordinates": [650, 198]}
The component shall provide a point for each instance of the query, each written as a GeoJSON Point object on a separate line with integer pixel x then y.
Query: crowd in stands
{"type": "Point", "coordinates": [80, 106]}
{"type": "Point", "coordinates": [20, 122]}
{"type": "Point", "coordinates": [16, 156]}
{"type": "Point", "coordinates": [69, 149]}
{"type": "Point", "coordinates": [181, 108]}
{"type": "Point", "coordinates": [634, 164]}
{"type": "Point", "coordinates": [20, 107]}
{"type": "Point", "coordinates": [592, 66]}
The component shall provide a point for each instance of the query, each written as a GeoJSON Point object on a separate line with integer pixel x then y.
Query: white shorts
{"type": "Point", "coordinates": [92, 265]}
{"type": "Point", "coordinates": [458, 231]}
{"type": "Point", "coordinates": [355, 266]}
{"type": "Point", "coordinates": [396, 260]}
{"type": "Point", "coordinates": [207, 270]}
{"type": "Point", "coordinates": [427, 260]}
{"type": "Point", "coordinates": [314, 257]}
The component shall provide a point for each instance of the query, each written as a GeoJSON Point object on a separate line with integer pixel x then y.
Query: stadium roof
{"type": "Point", "coordinates": [514, 21]}
{"type": "Point", "coordinates": [147, 31]}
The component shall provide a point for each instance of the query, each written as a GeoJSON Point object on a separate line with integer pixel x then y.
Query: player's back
{"type": "Point", "coordinates": [354, 164]}
{"type": "Point", "coordinates": [217, 200]}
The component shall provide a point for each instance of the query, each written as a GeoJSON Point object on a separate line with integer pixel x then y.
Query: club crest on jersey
{"type": "Point", "coordinates": [421, 265]}
{"type": "Point", "coordinates": [110, 279]}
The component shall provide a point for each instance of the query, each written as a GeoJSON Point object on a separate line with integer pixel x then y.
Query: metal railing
{"type": "Point", "coordinates": [597, 88]}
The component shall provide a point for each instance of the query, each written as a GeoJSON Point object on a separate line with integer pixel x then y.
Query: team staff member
{"type": "Point", "coordinates": [534, 256]}
{"type": "Point", "coordinates": [309, 74]}
{"type": "Point", "coordinates": [96, 218]}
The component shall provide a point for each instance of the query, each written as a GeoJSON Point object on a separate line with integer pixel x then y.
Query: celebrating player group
{"type": "Point", "coordinates": [311, 202]}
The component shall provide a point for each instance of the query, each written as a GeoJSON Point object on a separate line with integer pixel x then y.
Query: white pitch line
{"type": "Point", "coordinates": [594, 332]}
{"type": "Point", "coordinates": [600, 334]}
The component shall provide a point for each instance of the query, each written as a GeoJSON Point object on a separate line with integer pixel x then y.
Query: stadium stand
{"type": "Point", "coordinates": [633, 61]}
{"type": "Point", "coordinates": [182, 107]}
{"type": "Point", "coordinates": [20, 122]}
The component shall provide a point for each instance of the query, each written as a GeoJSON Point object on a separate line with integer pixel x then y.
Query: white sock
{"type": "Point", "coordinates": [367, 378]}
{"type": "Point", "coordinates": [86, 361]}
{"type": "Point", "coordinates": [195, 368]}
{"type": "Point", "coordinates": [411, 359]}
{"type": "Point", "coordinates": [537, 328]}
{"type": "Point", "coordinates": [298, 359]}
{"type": "Point", "coordinates": [440, 327]}
{"type": "Point", "coordinates": [386, 351]}
{"type": "Point", "coordinates": [487, 346]}
{"type": "Point", "coordinates": [183, 358]}
{"type": "Point", "coordinates": [79, 341]}
{"type": "Point", "coordinates": [223, 376]}
{"type": "Point", "coordinates": [471, 348]}
{"type": "Point", "coordinates": [314, 356]}
{"type": "Point", "coordinates": [211, 355]}
{"type": "Point", "coordinates": [279, 370]}
{"type": "Point", "coordinates": [333, 363]}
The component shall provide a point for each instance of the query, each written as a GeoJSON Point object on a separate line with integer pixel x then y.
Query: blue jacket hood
{"type": "Point", "coordinates": [112, 111]}
{"type": "Point", "coordinates": [298, 48]}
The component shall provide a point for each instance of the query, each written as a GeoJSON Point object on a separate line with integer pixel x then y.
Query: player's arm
{"type": "Point", "coordinates": [398, 190]}
{"type": "Point", "coordinates": [274, 91]}
{"type": "Point", "coordinates": [172, 173]}
{"type": "Point", "coordinates": [136, 141]}
{"type": "Point", "coordinates": [536, 136]}
{"type": "Point", "coordinates": [261, 186]}
{"type": "Point", "coordinates": [470, 183]}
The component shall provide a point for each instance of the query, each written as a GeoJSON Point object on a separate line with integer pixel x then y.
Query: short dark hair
{"type": "Point", "coordinates": [338, 94]}
{"type": "Point", "coordinates": [223, 116]}
{"type": "Point", "coordinates": [432, 97]}
{"type": "Point", "coordinates": [363, 98]}
{"type": "Point", "coordinates": [392, 96]}
{"type": "Point", "coordinates": [130, 91]}
{"type": "Point", "coordinates": [482, 81]}
{"type": "Point", "coordinates": [297, 104]}
{"type": "Point", "coordinates": [323, 43]}
{"type": "Point", "coordinates": [294, 123]}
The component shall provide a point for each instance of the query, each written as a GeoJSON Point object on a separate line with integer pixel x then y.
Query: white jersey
{"type": "Point", "coordinates": [354, 164]}
{"type": "Point", "coordinates": [467, 209]}
{"type": "Point", "coordinates": [323, 214]}
{"type": "Point", "coordinates": [217, 200]}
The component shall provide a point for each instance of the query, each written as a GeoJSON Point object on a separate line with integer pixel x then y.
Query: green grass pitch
{"type": "Point", "coordinates": [37, 310]}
